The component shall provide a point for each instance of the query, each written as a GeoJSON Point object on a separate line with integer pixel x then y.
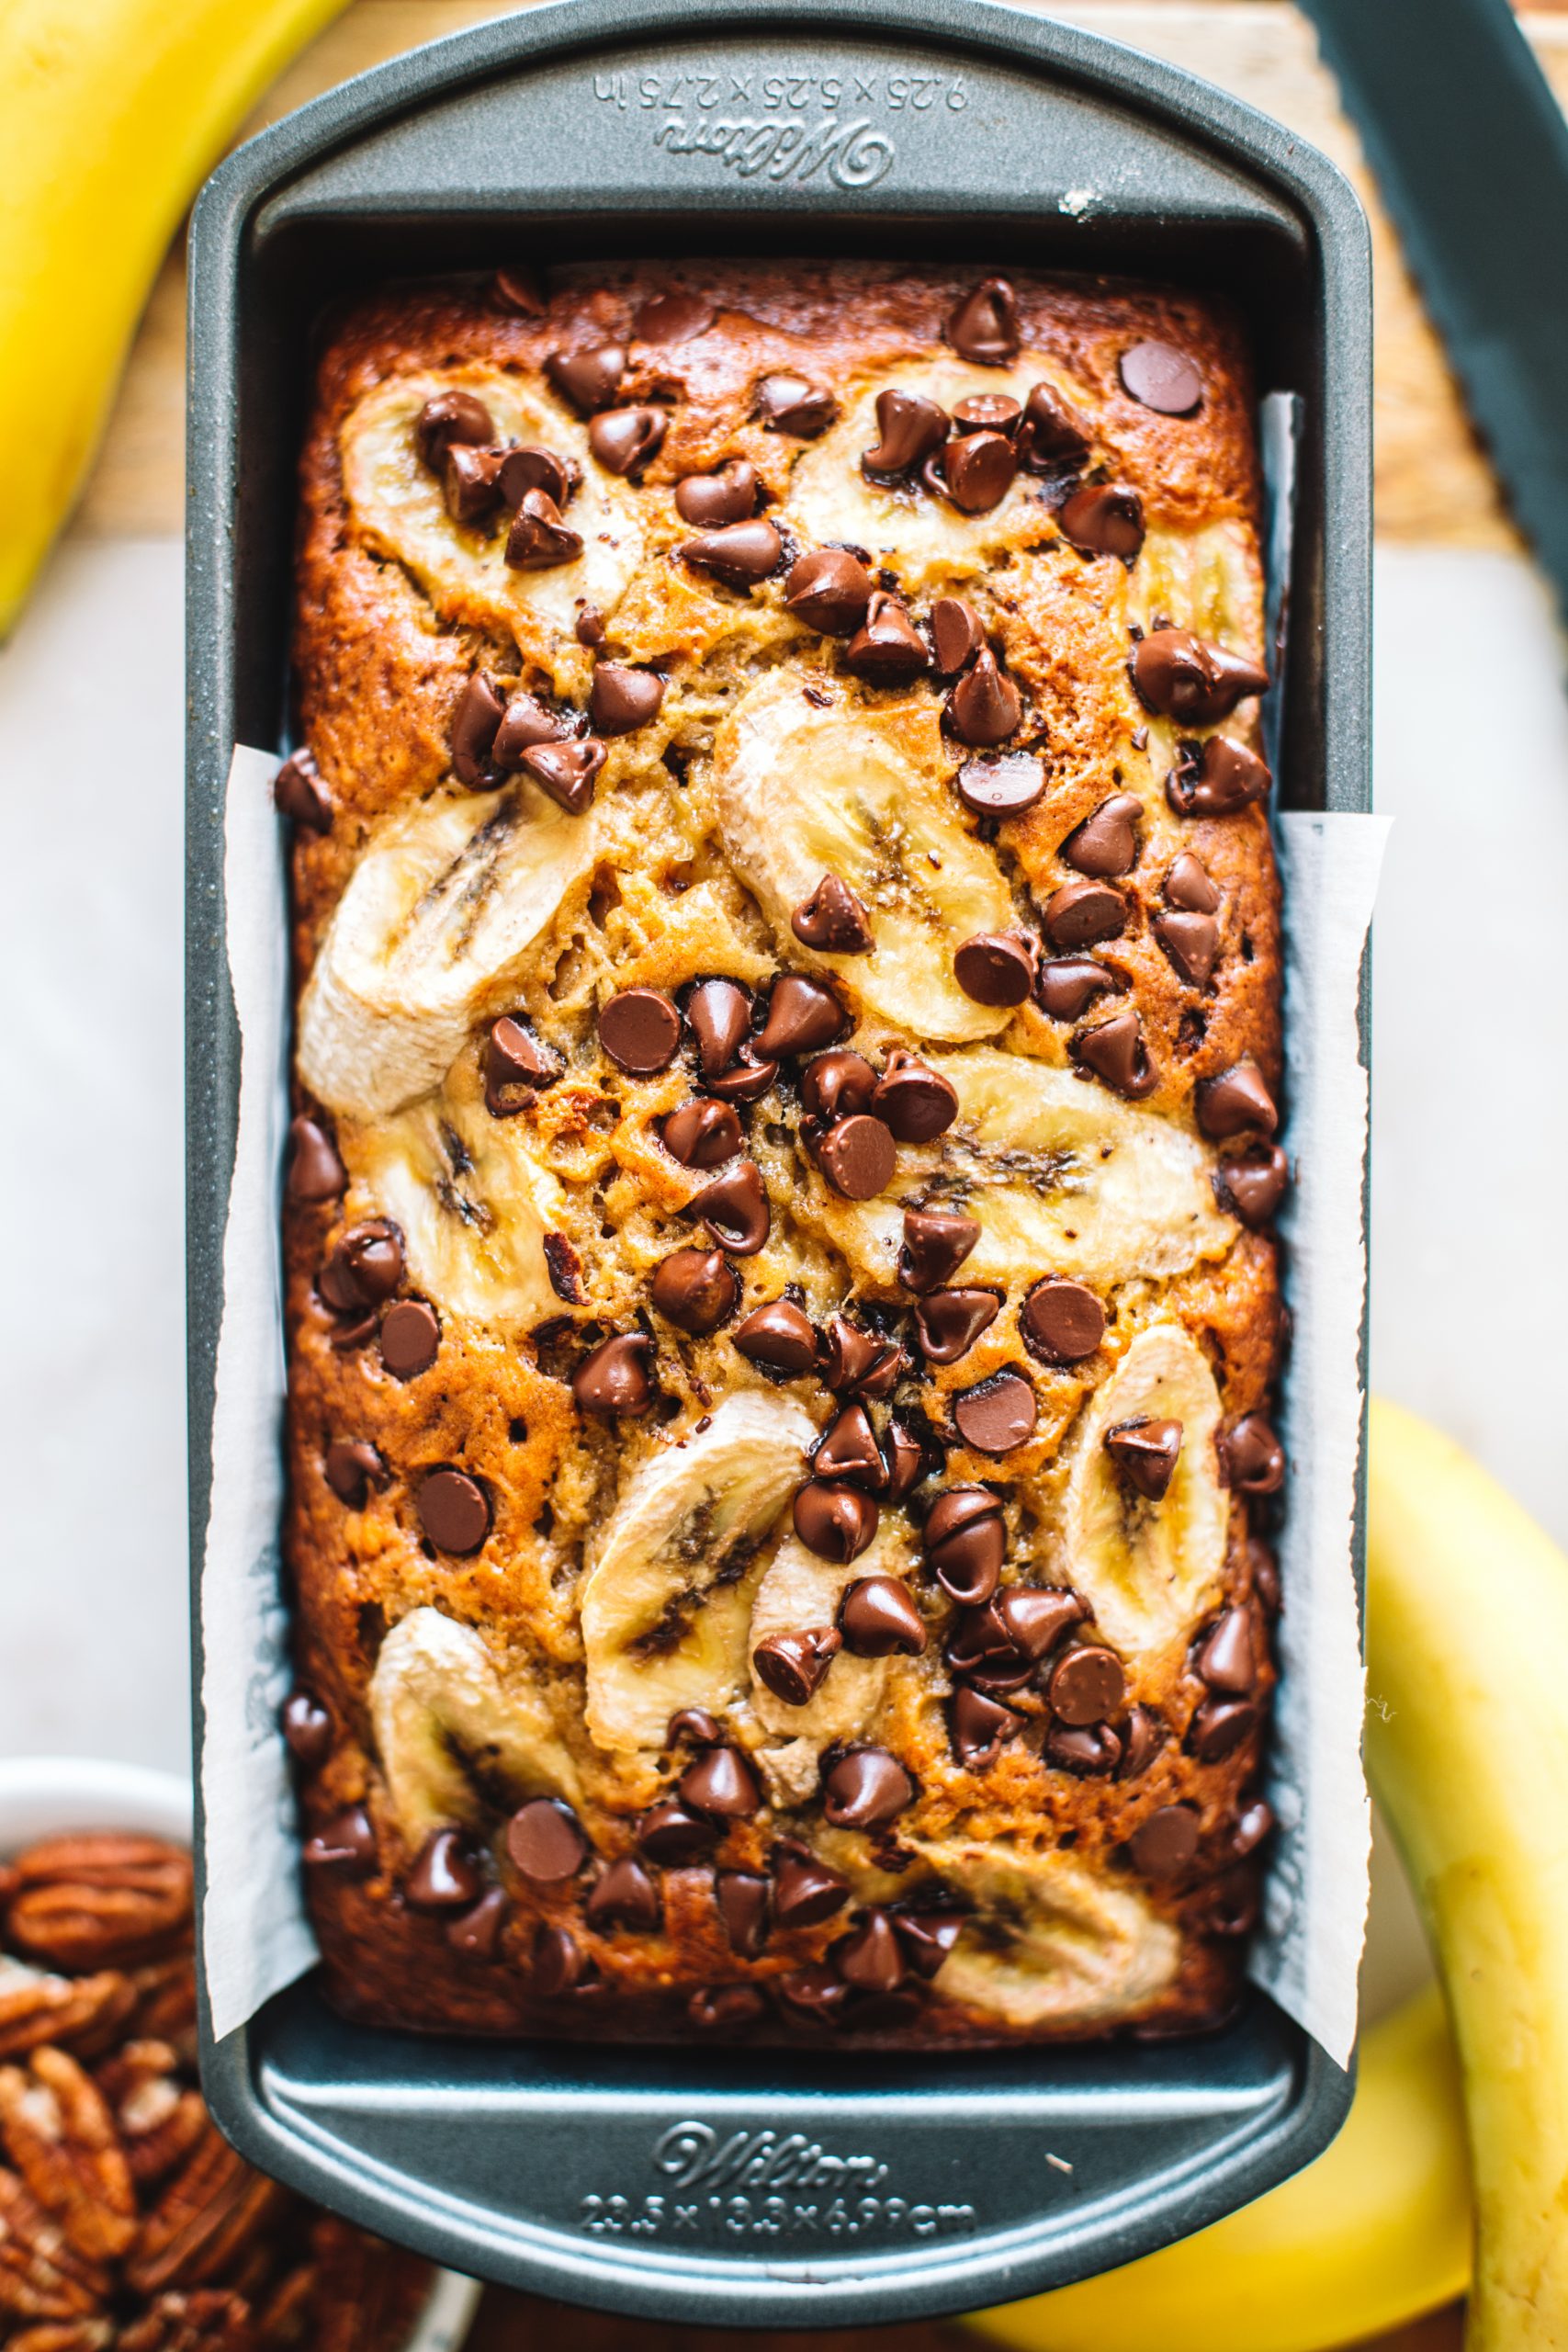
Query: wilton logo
{"type": "Point", "coordinates": [692, 2157]}
{"type": "Point", "coordinates": [851, 154]}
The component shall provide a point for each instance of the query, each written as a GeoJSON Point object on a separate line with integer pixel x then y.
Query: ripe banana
{"type": "Point", "coordinates": [665, 1605]}
{"type": "Point", "coordinates": [856, 790]}
{"type": "Point", "coordinates": [86, 214]}
{"type": "Point", "coordinates": [441, 910]}
{"type": "Point", "coordinates": [435, 1697]}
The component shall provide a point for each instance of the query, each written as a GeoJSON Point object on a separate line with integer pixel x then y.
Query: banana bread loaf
{"type": "Point", "coordinates": [781, 1301]}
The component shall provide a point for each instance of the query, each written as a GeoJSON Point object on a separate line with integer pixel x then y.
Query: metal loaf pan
{"type": "Point", "coordinates": [772, 2189]}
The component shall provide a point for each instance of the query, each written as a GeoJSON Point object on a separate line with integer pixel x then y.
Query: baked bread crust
{"type": "Point", "coordinates": [442, 1690]}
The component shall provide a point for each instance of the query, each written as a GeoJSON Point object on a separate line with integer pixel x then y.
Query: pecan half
{"type": "Point", "coordinates": [158, 2119]}
{"type": "Point", "coordinates": [37, 2007]}
{"type": "Point", "coordinates": [206, 2322]}
{"type": "Point", "coordinates": [165, 1998]}
{"type": "Point", "coordinates": [106, 1899]}
{"type": "Point", "coordinates": [60, 2135]}
{"type": "Point", "coordinates": [367, 2292]}
{"type": "Point", "coordinates": [206, 2218]}
{"type": "Point", "coordinates": [42, 2274]}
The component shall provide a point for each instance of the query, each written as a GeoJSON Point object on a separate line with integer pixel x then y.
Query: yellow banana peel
{"type": "Point", "coordinates": [111, 111]}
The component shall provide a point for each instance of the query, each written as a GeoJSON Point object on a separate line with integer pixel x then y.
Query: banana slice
{"type": "Point", "coordinates": [1149, 1570]}
{"type": "Point", "coordinates": [798, 1590]}
{"type": "Point", "coordinates": [398, 502]}
{"type": "Point", "coordinates": [1051, 1943]}
{"type": "Point", "coordinates": [1208, 580]}
{"type": "Point", "coordinates": [921, 538]}
{"type": "Point", "coordinates": [443, 1716]}
{"type": "Point", "coordinates": [858, 790]}
{"type": "Point", "coordinates": [473, 1203]}
{"type": "Point", "coordinates": [1063, 1178]}
{"type": "Point", "coordinates": [666, 1604]}
{"type": "Point", "coordinates": [433, 931]}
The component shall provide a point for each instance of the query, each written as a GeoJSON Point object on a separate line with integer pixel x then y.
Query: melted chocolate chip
{"type": "Point", "coordinates": [691, 1724]}
{"type": "Point", "coordinates": [410, 1335]}
{"type": "Point", "coordinates": [997, 1415]}
{"type": "Point", "coordinates": [719, 1013]}
{"type": "Point", "coordinates": [1115, 1052]}
{"type": "Point", "coordinates": [478, 714]}
{"type": "Point", "coordinates": [710, 502]}
{"type": "Point", "coordinates": [909, 427]}
{"type": "Point", "coordinates": [346, 1843]}
{"type": "Point", "coordinates": [1083, 1749]}
{"type": "Point", "coordinates": [966, 1542]}
{"type": "Point", "coordinates": [860, 1363]}
{"type": "Point", "coordinates": [858, 1157]}
{"type": "Point", "coordinates": [977, 472]}
{"type": "Point", "coordinates": [836, 1084]}
{"type": "Point", "coordinates": [936, 1243]}
{"type": "Point", "coordinates": [307, 1730]}
{"type": "Point", "coordinates": [988, 413]}
{"type": "Point", "coordinates": [985, 706]}
{"type": "Point", "coordinates": [1190, 886]}
{"type": "Point", "coordinates": [476, 1935]}
{"type": "Point", "coordinates": [1163, 1846]}
{"type": "Point", "coordinates": [835, 1521]}
{"type": "Point", "coordinates": [589, 380]}
{"type": "Point", "coordinates": [1251, 1456]}
{"type": "Point", "coordinates": [640, 1031]}
{"type": "Point", "coordinates": [539, 539]}
{"type": "Point", "coordinates": [833, 921]}
{"type": "Point", "coordinates": [734, 1208]}
{"type": "Point", "coordinates": [877, 1619]}
{"type": "Point", "coordinates": [546, 1842]}
{"type": "Point", "coordinates": [720, 1782]}
{"type": "Point", "coordinates": [1190, 943]}
{"type": "Point", "coordinates": [905, 1455]}
{"type": "Point", "coordinates": [872, 1959]}
{"type": "Point", "coordinates": [1062, 1321]}
{"type": "Point", "coordinates": [1234, 1101]}
{"type": "Point", "coordinates": [956, 634]}
{"type": "Point", "coordinates": [793, 404]}
{"type": "Point", "coordinates": [525, 723]}
{"type": "Point", "coordinates": [556, 1966]}
{"type": "Point", "coordinates": [472, 483]}
{"type": "Point", "coordinates": [912, 1101]}
{"type": "Point", "coordinates": [1184, 677]}
{"type": "Point", "coordinates": [725, 2008]}
{"type": "Point", "coordinates": [805, 1892]}
{"type": "Point", "coordinates": [1221, 778]}
{"type": "Point", "coordinates": [830, 590]}
{"type": "Point", "coordinates": [1069, 984]}
{"type": "Point", "coordinates": [1053, 433]}
{"type": "Point", "coordinates": [1252, 1826]}
{"type": "Point", "coordinates": [1145, 1453]}
{"type": "Point", "coordinates": [445, 1877]}
{"type": "Point", "coordinates": [887, 650]}
{"type": "Point", "coordinates": [811, 1996]}
{"type": "Point", "coordinates": [516, 1067]}
{"type": "Point", "coordinates": [533, 468]}
{"type": "Point", "coordinates": [948, 1322]}
{"type": "Point", "coordinates": [1087, 1686]}
{"type": "Point", "coordinates": [299, 793]}
{"type": "Point", "coordinates": [703, 1135]}
{"type": "Point", "coordinates": [625, 440]}
{"type": "Point", "coordinates": [1218, 1728]}
{"type": "Point", "coordinates": [802, 1016]}
{"type": "Point", "coordinates": [743, 1904]}
{"type": "Point", "coordinates": [792, 1665]}
{"type": "Point", "coordinates": [849, 1451]}
{"type": "Point", "coordinates": [1081, 913]}
{"type": "Point", "coordinates": [995, 968]}
{"type": "Point", "coordinates": [315, 1172]}
{"type": "Point", "coordinates": [1145, 1736]}
{"type": "Point", "coordinates": [978, 1726]}
{"type": "Point", "coordinates": [614, 1379]}
{"type": "Point", "coordinates": [1003, 787]}
{"type": "Point", "coordinates": [1253, 1185]}
{"type": "Point", "coordinates": [864, 1788]}
{"type": "Point", "coordinates": [1161, 378]}
{"type": "Point", "coordinates": [566, 770]}
{"type": "Point", "coordinates": [1103, 518]}
{"type": "Point", "coordinates": [695, 1290]}
{"type": "Point", "coordinates": [364, 1267]}
{"type": "Point", "coordinates": [1225, 1657]}
{"type": "Point", "coordinates": [671, 1833]}
{"type": "Point", "coordinates": [674, 317]}
{"type": "Point", "coordinates": [739, 554]}
{"type": "Point", "coordinates": [591, 630]}
{"type": "Point", "coordinates": [621, 699]}
{"type": "Point", "coordinates": [454, 1511]}
{"type": "Point", "coordinates": [448, 417]}
{"type": "Point", "coordinates": [983, 328]}
{"type": "Point", "coordinates": [1107, 841]}
{"type": "Point", "coordinates": [624, 1897]}
{"type": "Point", "coordinates": [778, 1334]}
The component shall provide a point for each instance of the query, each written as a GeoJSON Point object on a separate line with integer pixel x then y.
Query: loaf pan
{"type": "Point", "coordinates": [764, 2188]}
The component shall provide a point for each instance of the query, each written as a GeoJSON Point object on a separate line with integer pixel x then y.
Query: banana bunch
{"type": "Point", "coordinates": [110, 116]}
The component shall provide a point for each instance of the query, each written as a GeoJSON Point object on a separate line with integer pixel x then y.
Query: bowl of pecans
{"type": "Point", "coordinates": [127, 2221]}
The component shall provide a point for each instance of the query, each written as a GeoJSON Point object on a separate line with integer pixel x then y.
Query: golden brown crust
{"type": "Point", "coordinates": [383, 648]}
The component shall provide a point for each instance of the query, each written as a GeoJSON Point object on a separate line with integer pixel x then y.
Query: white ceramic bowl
{"type": "Point", "coordinates": [42, 1796]}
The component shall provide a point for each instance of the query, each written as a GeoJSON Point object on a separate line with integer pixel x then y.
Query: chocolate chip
{"type": "Point", "coordinates": [734, 1208]}
{"type": "Point", "coordinates": [1161, 378]}
{"type": "Point", "coordinates": [556, 1966]}
{"type": "Point", "coordinates": [299, 794]}
{"type": "Point", "coordinates": [1164, 1845]}
{"type": "Point", "coordinates": [472, 483]}
{"type": "Point", "coordinates": [703, 1135]}
{"type": "Point", "coordinates": [614, 1378]}
{"type": "Point", "coordinates": [1083, 1749]}
{"type": "Point", "coordinates": [742, 1900]}
{"type": "Point", "coordinates": [836, 1084]}
{"type": "Point", "coordinates": [956, 634]}
{"type": "Point", "coordinates": [410, 1335]}
{"type": "Point", "coordinates": [948, 1322]}
{"type": "Point", "coordinates": [1225, 1660]}
{"type": "Point", "coordinates": [1251, 1456]}
{"type": "Point", "coordinates": [720, 1012]}
{"type": "Point", "coordinates": [566, 770]}
{"type": "Point", "coordinates": [621, 699]}
{"type": "Point", "coordinates": [909, 428]}
{"type": "Point", "coordinates": [1253, 1825]}
{"type": "Point", "coordinates": [1115, 1052]}
{"type": "Point", "coordinates": [1106, 841]}
{"type": "Point", "coordinates": [525, 723]}
{"type": "Point", "coordinates": [1062, 1321]}
{"type": "Point", "coordinates": [996, 968]}
{"type": "Point", "coordinates": [346, 1843]}
{"type": "Point", "coordinates": [988, 413]}
{"type": "Point", "coordinates": [694, 1289]}
{"type": "Point", "coordinates": [674, 317]}
{"type": "Point", "coordinates": [739, 554]}
{"type": "Point", "coordinates": [1069, 984]}
{"type": "Point", "coordinates": [640, 1031]}
{"type": "Point", "coordinates": [1253, 1185]}
{"type": "Point", "coordinates": [1190, 886]}
{"type": "Point", "coordinates": [1143, 1741]}
{"type": "Point", "coordinates": [1234, 1101]}
{"type": "Point", "coordinates": [364, 1267]}
{"type": "Point", "coordinates": [445, 1876]}
{"type": "Point", "coordinates": [746, 1082]}
{"type": "Point", "coordinates": [624, 1897]}
{"type": "Point", "coordinates": [793, 1665]}
{"type": "Point", "coordinates": [539, 539]}
{"type": "Point", "coordinates": [1218, 1728]}
{"type": "Point", "coordinates": [1184, 677]}
{"type": "Point", "coordinates": [837, 1522]}
{"type": "Point", "coordinates": [720, 1782]}
{"type": "Point", "coordinates": [516, 1066]}
{"type": "Point", "coordinates": [1218, 780]}
{"type": "Point", "coordinates": [708, 501]}
{"type": "Point", "coordinates": [1087, 1686]}
{"type": "Point", "coordinates": [864, 1788]}
{"type": "Point", "coordinates": [591, 630]}
{"type": "Point", "coordinates": [546, 1842]}
{"type": "Point", "coordinates": [589, 380]}
{"type": "Point", "coordinates": [787, 403]}
{"type": "Point", "coordinates": [936, 1243]}
{"type": "Point", "coordinates": [805, 1892]}
{"type": "Point", "coordinates": [1034, 1617]}
{"type": "Point", "coordinates": [887, 650]}
{"type": "Point", "coordinates": [1004, 786]}
{"type": "Point", "coordinates": [1145, 1453]}
{"type": "Point", "coordinates": [858, 1157]}
{"type": "Point", "coordinates": [1053, 433]}
{"type": "Point", "coordinates": [977, 472]}
{"type": "Point", "coordinates": [983, 328]}
{"type": "Point", "coordinates": [447, 417]}
{"type": "Point", "coordinates": [905, 1455]}
{"type": "Point", "coordinates": [978, 1726]}
{"type": "Point", "coordinates": [830, 590]}
{"type": "Point", "coordinates": [725, 2008]}
{"type": "Point", "coordinates": [315, 1172]}
{"type": "Point", "coordinates": [564, 1269]}
{"type": "Point", "coordinates": [966, 1542]}
{"type": "Point", "coordinates": [985, 706]}
{"type": "Point", "coordinates": [1103, 518]}
{"type": "Point", "coordinates": [625, 440]}
{"type": "Point", "coordinates": [307, 1730]}
{"type": "Point", "coordinates": [454, 1511]}
{"type": "Point", "coordinates": [833, 921]}
{"type": "Point", "coordinates": [860, 1364]}
{"type": "Point", "coordinates": [518, 290]}
{"type": "Point", "coordinates": [779, 1335]}
{"type": "Point", "coordinates": [1263, 1570]}
{"type": "Point", "coordinates": [478, 714]}
{"type": "Point", "coordinates": [997, 1415]}
{"type": "Point", "coordinates": [877, 1619]}
{"type": "Point", "coordinates": [693, 1724]}
{"type": "Point", "coordinates": [872, 1959]}
{"type": "Point", "coordinates": [1080, 913]}
{"type": "Point", "coordinates": [812, 1995]}
{"type": "Point", "coordinates": [912, 1101]}
{"type": "Point", "coordinates": [849, 1451]}
{"type": "Point", "coordinates": [802, 1016]}
{"type": "Point", "coordinates": [1190, 944]}
{"type": "Point", "coordinates": [530, 467]}
{"type": "Point", "coordinates": [477, 1934]}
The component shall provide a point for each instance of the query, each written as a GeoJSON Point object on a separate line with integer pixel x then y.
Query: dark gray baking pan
{"type": "Point", "coordinates": [781, 2189]}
